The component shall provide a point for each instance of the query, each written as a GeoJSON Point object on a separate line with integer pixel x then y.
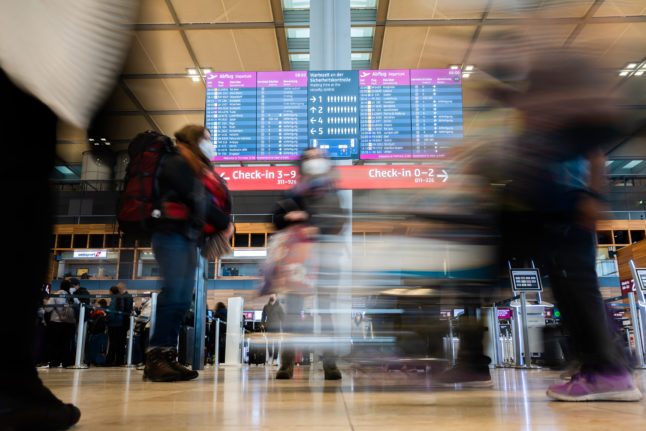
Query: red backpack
{"type": "Point", "coordinates": [139, 202]}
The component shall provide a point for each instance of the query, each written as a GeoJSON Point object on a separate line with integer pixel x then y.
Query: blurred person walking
{"type": "Point", "coordinates": [554, 171]}
{"type": "Point", "coordinates": [187, 209]}
{"type": "Point", "coordinates": [62, 66]}
{"type": "Point", "coordinates": [313, 213]}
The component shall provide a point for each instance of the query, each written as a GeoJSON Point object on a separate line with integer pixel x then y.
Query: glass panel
{"type": "Point", "coordinates": [127, 242]}
{"type": "Point", "coordinates": [361, 31]}
{"type": "Point", "coordinates": [636, 235]}
{"type": "Point", "coordinates": [257, 240]}
{"type": "Point", "coordinates": [52, 241]}
{"type": "Point", "coordinates": [96, 241]}
{"type": "Point", "coordinates": [298, 33]}
{"type": "Point", "coordinates": [80, 241]}
{"type": "Point", "coordinates": [242, 240]}
{"type": "Point", "coordinates": [64, 241]}
{"type": "Point", "coordinates": [296, 4]}
{"type": "Point", "coordinates": [300, 57]}
{"type": "Point", "coordinates": [112, 241]}
{"type": "Point", "coordinates": [144, 243]}
{"type": "Point", "coordinates": [125, 270]}
{"type": "Point", "coordinates": [604, 237]}
{"type": "Point", "coordinates": [621, 236]}
{"type": "Point", "coordinates": [360, 56]}
{"type": "Point", "coordinates": [127, 256]}
{"type": "Point", "coordinates": [368, 4]}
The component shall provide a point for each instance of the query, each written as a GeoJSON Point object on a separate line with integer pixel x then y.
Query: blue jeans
{"type": "Point", "coordinates": [177, 259]}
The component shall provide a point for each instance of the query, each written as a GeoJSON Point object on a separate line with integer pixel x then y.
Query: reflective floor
{"type": "Point", "coordinates": [249, 399]}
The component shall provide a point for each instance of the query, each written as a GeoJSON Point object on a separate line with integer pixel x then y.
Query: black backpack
{"type": "Point", "coordinates": [139, 201]}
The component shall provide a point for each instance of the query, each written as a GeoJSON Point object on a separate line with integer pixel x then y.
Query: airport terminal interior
{"type": "Point", "coordinates": [417, 104]}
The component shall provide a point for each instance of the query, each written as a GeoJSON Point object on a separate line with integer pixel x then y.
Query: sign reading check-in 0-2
{"type": "Point", "coordinates": [348, 177]}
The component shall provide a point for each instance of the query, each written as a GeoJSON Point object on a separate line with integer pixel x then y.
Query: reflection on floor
{"type": "Point", "coordinates": [250, 399]}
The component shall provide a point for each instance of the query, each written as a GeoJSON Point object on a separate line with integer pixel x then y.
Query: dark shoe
{"type": "Point", "coordinates": [331, 372]}
{"type": "Point", "coordinates": [30, 405]}
{"type": "Point", "coordinates": [286, 370]}
{"type": "Point", "coordinates": [185, 373]}
{"type": "Point", "coordinates": [466, 377]}
{"type": "Point", "coordinates": [159, 368]}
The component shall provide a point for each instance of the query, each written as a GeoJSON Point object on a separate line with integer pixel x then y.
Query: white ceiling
{"type": "Point", "coordinates": [155, 91]}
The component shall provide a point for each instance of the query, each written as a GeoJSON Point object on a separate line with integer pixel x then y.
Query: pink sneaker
{"type": "Point", "coordinates": [596, 387]}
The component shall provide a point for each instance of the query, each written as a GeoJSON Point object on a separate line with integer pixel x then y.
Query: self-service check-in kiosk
{"type": "Point", "coordinates": [528, 319]}
{"type": "Point", "coordinates": [638, 312]}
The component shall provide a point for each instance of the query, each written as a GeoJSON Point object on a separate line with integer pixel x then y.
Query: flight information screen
{"type": "Point", "coordinates": [385, 114]}
{"type": "Point", "coordinates": [281, 114]}
{"type": "Point", "coordinates": [367, 114]}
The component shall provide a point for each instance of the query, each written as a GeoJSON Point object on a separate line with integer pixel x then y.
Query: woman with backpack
{"type": "Point", "coordinates": [187, 209]}
{"type": "Point", "coordinates": [61, 326]}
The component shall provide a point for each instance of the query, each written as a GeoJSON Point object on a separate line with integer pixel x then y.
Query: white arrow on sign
{"type": "Point", "coordinates": [443, 175]}
{"type": "Point", "coordinates": [312, 120]}
{"type": "Point", "coordinates": [313, 109]}
{"type": "Point", "coordinates": [313, 99]}
{"type": "Point", "coordinates": [313, 131]}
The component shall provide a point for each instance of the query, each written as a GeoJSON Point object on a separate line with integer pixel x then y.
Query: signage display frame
{"type": "Point", "coordinates": [641, 278]}
{"type": "Point", "coordinates": [525, 280]}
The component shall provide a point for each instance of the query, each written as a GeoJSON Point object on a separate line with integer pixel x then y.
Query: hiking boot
{"type": "Point", "coordinates": [596, 387]}
{"type": "Point", "coordinates": [158, 366]}
{"type": "Point", "coordinates": [286, 370]}
{"type": "Point", "coordinates": [466, 377]}
{"type": "Point", "coordinates": [186, 374]}
{"type": "Point", "coordinates": [331, 371]}
{"type": "Point", "coordinates": [28, 404]}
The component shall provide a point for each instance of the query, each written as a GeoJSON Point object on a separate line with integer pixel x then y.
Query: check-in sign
{"type": "Point", "coordinates": [348, 177]}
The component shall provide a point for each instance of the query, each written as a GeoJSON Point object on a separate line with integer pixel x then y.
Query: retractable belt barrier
{"type": "Point", "coordinates": [81, 330]}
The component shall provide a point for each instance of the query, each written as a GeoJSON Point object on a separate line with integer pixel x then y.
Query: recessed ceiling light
{"type": "Point", "coordinates": [107, 143]}
{"type": "Point", "coordinates": [454, 67]}
{"type": "Point", "coordinates": [195, 78]}
{"type": "Point", "coordinates": [631, 65]}
{"type": "Point", "coordinates": [207, 70]}
{"type": "Point", "coordinates": [639, 73]}
{"type": "Point", "coordinates": [623, 73]}
{"type": "Point", "coordinates": [91, 139]}
{"type": "Point", "coordinates": [192, 71]}
{"type": "Point", "coordinates": [469, 67]}
{"type": "Point", "coordinates": [103, 139]}
{"type": "Point", "coordinates": [466, 75]}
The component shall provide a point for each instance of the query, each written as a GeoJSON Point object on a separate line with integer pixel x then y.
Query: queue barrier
{"type": "Point", "coordinates": [81, 330]}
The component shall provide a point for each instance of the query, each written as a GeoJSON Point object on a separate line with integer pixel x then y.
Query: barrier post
{"type": "Point", "coordinates": [635, 318]}
{"type": "Point", "coordinates": [217, 342]}
{"type": "Point", "coordinates": [523, 309]}
{"type": "Point", "coordinates": [153, 314]}
{"type": "Point", "coordinates": [131, 335]}
{"type": "Point", "coordinates": [495, 335]}
{"type": "Point", "coordinates": [80, 340]}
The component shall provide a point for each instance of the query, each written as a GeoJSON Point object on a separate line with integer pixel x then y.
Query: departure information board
{"type": "Point", "coordinates": [367, 114]}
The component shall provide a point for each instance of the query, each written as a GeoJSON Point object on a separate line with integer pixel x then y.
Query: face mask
{"type": "Point", "coordinates": [316, 167]}
{"type": "Point", "coordinates": [207, 148]}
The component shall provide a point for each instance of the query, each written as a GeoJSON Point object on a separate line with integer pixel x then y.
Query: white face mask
{"type": "Point", "coordinates": [207, 148]}
{"type": "Point", "coordinates": [316, 167]}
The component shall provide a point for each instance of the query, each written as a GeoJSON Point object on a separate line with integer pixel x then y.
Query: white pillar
{"type": "Point", "coordinates": [234, 332]}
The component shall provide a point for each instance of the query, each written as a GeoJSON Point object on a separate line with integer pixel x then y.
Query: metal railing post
{"type": "Point", "coordinates": [525, 329]}
{"type": "Point", "coordinates": [635, 318]}
{"type": "Point", "coordinates": [217, 342]}
{"type": "Point", "coordinates": [153, 314]}
{"type": "Point", "coordinates": [131, 335]}
{"type": "Point", "coordinates": [80, 339]}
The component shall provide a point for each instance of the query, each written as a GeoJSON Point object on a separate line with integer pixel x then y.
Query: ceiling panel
{"type": "Point", "coordinates": [168, 94]}
{"type": "Point", "coordinates": [119, 101]}
{"type": "Point", "coordinates": [119, 127]}
{"type": "Point", "coordinates": [201, 11]}
{"type": "Point", "coordinates": [435, 9]}
{"type": "Point", "coordinates": [236, 50]}
{"type": "Point", "coordinates": [424, 47]}
{"type": "Point", "coordinates": [160, 51]}
{"type": "Point", "coordinates": [613, 44]}
{"type": "Point", "coordinates": [622, 8]}
{"type": "Point", "coordinates": [154, 12]}
{"type": "Point", "coordinates": [170, 124]}
{"type": "Point", "coordinates": [493, 124]}
{"type": "Point", "coordinates": [69, 132]}
{"type": "Point", "coordinates": [546, 9]}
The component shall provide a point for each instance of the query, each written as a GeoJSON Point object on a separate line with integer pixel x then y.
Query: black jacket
{"type": "Point", "coordinates": [324, 211]}
{"type": "Point", "coordinates": [177, 184]}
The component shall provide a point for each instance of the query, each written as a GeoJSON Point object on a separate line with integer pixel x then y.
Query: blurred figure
{"type": "Point", "coordinates": [61, 326]}
{"type": "Point", "coordinates": [187, 208]}
{"type": "Point", "coordinates": [272, 315]}
{"type": "Point", "coordinates": [312, 213]}
{"type": "Point", "coordinates": [554, 171]}
{"type": "Point", "coordinates": [128, 301]}
{"type": "Point", "coordinates": [117, 329]}
{"type": "Point", "coordinates": [220, 313]}
{"type": "Point", "coordinates": [63, 66]}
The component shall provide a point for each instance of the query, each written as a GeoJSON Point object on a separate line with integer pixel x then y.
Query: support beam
{"type": "Point", "coordinates": [189, 48]}
{"type": "Point", "coordinates": [586, 18]}
{"type": "Point", "coordinates": [380, 30]}
{"type": "Point", "coordinates": [281, 37]}
{"type": "Point", "coordinates": [138, 104]}
{"type": "Point", "coordinates": [476, 34]}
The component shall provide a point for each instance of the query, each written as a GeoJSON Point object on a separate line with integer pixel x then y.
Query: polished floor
{"type": "Point", "coordinates": [250, 399]}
